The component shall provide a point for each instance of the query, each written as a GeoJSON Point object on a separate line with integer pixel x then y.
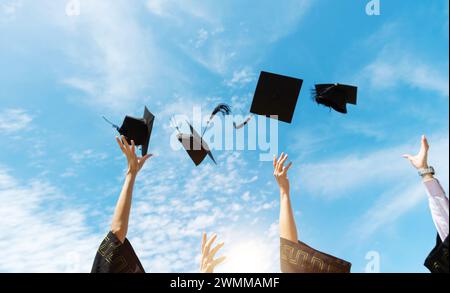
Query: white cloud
{"type": "Point", "coordinates": [86, 86]}
{"type": "Point", "coordinates": [202, 37]}
{"type": "Point", "coordinates": [337, 178]}
{"type": "Point", "coordinates": [171, 210]}
{"type": "Point", "coordinates": [114, 53]}
{"type": "Point", "coordinates": [79, 157]}
{"type": "Point", "coordinates": [39, 234]}
{"type": "Point", "coordinates": [14, 120]}
{"type": "Point", "coordinates": [354, 174]}
{"type": "Point", "coordinates": [405, 194]}
{"type": "Point", "coordinates": [9, 8]}
{"type": "Point", "coordinates": [241, 77]}
{"type": "Point", "coordinates": [388, 208]}
{"type": "Point", "coordinates": [396, 67]}
{"type": "Point", "coordinates": [235, 30]}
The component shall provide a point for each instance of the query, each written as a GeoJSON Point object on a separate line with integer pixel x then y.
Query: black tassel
{"type": "Point", "coordinates": [174, 124]}
{"type": "Point", "coordinates": [221, 108]}
{"type": "Point", "coordinates": [314, 94]}
{"type": "Point", "coordinates": [242, 124]}
{"type": "Point", "coordinates": [224, 109]}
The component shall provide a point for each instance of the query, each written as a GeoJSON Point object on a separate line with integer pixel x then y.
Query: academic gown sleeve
{"type": "Point", "coordinates": [301, 258]}
{"type": "Point", "coordinates": [114, 256]}
{"type": "Point", "coordinates": [438, 259]}
{"type": "Point", "coordinates": [439, 207]}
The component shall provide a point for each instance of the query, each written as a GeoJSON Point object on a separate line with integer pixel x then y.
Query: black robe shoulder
{"type": "Point", "coordinates": [438, 259]}
{"type": "Point", "coordinates": [114, 256]}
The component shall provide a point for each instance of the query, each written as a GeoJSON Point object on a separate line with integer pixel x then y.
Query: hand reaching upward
{"type": "Point", "coordinates": [135, 163]}
{"type": "Point", "coordinates": [208, 263]}
{"type": "Point", "coordinates": [280, 173]}
{"type": "Point", "coordinates": [420, 161]}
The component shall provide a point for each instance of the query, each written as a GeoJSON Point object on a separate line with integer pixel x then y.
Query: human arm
{"type": "Point", "coordinates": [288, 229]}
{"type": "Point", "coordinates": [437, 200]}
{"type": "Point", "coordinates": [119, 225]}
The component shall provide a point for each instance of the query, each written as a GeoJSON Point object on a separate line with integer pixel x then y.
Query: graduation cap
{"type": "Point", "coordinates": [275, 97]}
{"type": "Point", "coordinates": [138, 130]}
{"type": "Point", "coordinates": [335, 96]}
{"type": "Point", "coordinates": [195, 146]}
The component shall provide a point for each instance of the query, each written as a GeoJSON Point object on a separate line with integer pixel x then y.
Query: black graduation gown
{"type": "Point", "coordinates": [114, 256]}
{"type": "Point", "coordinates": [301, 258]}
{"type": "Point", "coordinates": [438, 259]}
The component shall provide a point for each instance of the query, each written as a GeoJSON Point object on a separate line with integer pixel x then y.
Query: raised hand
{"type": "Point", "coordinates": [208, 263]}
{"type": "Point", "coordinates": [420, 161]}
{"type": "Point", "coordinates": [135, 163]}
{"type": "Point", "coordinates": [280, 173]}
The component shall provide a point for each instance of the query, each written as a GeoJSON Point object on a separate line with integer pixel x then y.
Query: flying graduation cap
{"type": "Point", "coordinates": [138, 130]}
{"type": "Point", "coordinates": [335, 96]}
{"type": "Point", "coordinates": [275, 96]}
{"type": "Point", "coordinates": [195, 146]}
{"type": "Point", "coordinates": [193, 143]}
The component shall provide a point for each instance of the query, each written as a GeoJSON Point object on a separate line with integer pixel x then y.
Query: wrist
{"type": "Point", "coordinates": [426, 173]}
{"type": "Point", "coordinates": [131, 174]}
{"type": "Point", "coordinates": [427, 177]}
{"type": "Point", "coordinates": [284, 193]}
{"type": "Point", "coordinates": [424, 166]}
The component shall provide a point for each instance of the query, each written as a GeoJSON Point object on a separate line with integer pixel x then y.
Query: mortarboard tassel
{"type": "Point", "coordinates": [112, 124]}
{"type": "Point", "coordinates": [174, 124]}
{"type": "Point", "coordinates": [221, 108]}
{"type": "Point", "coordinates": [244, 123]}
{"type": "Point", "coordinates": [315, 94]}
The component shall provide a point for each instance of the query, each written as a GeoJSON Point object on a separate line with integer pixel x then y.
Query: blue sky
{"type": "Point", "coordinates": [61, 172]}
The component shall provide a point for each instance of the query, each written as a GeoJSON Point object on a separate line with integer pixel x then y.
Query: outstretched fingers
{"type": "Point", "coordinates": [209, 243]}
{"type": "Point", "coordinates": [203, 241]}
{"type": "Point", "coordinates": [214, 251]}
{"type": "Point", "coordinates": [281, 163]}
{"type": "Point", "coordinates": [133, 148]}
{"type": "Point", "coordinates": [277, 166]}
{"type": "Point", "coordinates": [286, 169]}
{"type": "Point", "coordinates": [119, 142]}
{"type": "Point", "coordinates": [218, 261]}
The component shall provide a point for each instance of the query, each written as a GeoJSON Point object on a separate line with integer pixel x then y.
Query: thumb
{"type": "Point", "coordinates": [407, 156]}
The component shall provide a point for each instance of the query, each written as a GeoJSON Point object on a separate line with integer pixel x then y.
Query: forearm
{"type": "Point", "coordinates": [121, 216]}
{"type": "Point", "coordinates": [288, 229]}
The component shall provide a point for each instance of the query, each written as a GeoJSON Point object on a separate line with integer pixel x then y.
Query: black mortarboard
{"type": "Point", "coordinates": [335, 96]}
{"type": "Point", "coordinates": [195, 146]}
{"type": "Point", "coordinates": [276, 95]}
{"type": "Point", "coordinates": [138, 130]}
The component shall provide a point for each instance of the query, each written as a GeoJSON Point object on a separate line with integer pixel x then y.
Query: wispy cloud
{"type": "Point", "coordinates": [14, 120]}
{"type": "Point", "coordinates": [241, 77]}
{"type": "Point", "coordinates": [405, 194]}
{"type": "Point", "coordinates": [388, 208]}
{"type": "Point", "coordinates": [165, 224]}
{"type": "Point", "coordinates": [332, 180]}
{"type": "Point", "coordinates": [230, 31]}
{"type": "Point", "coordinates": [396, 67]}
{"type": "Point", "coordinates": [78, 157]}
{"type": "Point", "coordinates": [39, 235]}
{"type": "Point", "coordinates": [118, 60]}
{"type": "Point", "coordinates": [9, 8]}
